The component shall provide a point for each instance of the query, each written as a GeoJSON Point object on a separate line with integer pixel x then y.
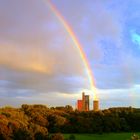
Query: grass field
{"type": "Point", "coordinates": [111, 136]}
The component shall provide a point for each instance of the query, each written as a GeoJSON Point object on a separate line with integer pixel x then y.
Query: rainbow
{"type": "Point", "coordinates": [77, 45]}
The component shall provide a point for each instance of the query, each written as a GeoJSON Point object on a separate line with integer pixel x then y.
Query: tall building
{"type": "Point", "coordinates": [86, 102]}
{"type": "Point", "coordinates": [83, 105]}
{"type": "Point", "coordinates": [83, 101]}
{"type": "Point", "coordinates": [80, 105]}
{"type": "Point", "coordinates": [95, 105]}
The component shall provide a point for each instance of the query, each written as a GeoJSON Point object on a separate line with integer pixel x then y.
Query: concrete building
{"type": "Point", "coordinates": [83, 101]}
{"type": "Point", "coordinates": [86, 102]}
{"type": "Point", "coordinates": [80, 105]}
{"type": "Point", "coordinates": [95, 105]}
{"type": "Point", "coordinates": [83, 105]}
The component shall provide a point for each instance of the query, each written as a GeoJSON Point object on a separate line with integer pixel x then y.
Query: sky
{"type": "Point", "coordinates": [39, 63]}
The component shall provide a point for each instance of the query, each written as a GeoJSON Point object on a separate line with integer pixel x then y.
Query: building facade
{"type": "Point", "coordinates": [86, 102]}
{"type": "Point", "coordinates": [96, 105]}
{"type": "Point", "coordinates": [80, 105]}
{"type": "Point", "coordinates": [83, 105]}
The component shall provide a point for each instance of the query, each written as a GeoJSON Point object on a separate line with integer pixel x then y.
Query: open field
{"type": "Point", "coordinates": [110, 136]}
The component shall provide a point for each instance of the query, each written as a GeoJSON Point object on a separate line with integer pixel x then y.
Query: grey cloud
{"type": "Point", "coordinates": [36, 35]}
{"type": "Point", "coordinates": [32, 38]}
{"type": "Point", "coordinates": [119, 97]}
{"type": "Point", "coordinates": [124, 75]}
{"type": "Point", "coordinates": [17, 83]}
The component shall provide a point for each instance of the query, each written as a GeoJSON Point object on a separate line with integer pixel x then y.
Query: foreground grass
{"type": "Point", "coordinates": [110, 136]}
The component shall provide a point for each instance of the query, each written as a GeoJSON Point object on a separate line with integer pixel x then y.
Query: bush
{"type": "Point", "coordinates": [22, 134]}
{"type": "Point", "coordinates": [40, 136]}
{"type": "Point", "coordinates": [135, 137]}
{"type": "Point", "coordinates": [57, 136]}
{"type": "Point", "coordinates": [5, 132]}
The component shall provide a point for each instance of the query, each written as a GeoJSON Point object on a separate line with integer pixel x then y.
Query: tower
{"type": "Point", "coordinates": [86, 102]}
{"type": "Point", "coordinates": [83, 105]}
{"type": "Point", "coordinates": [83, 101]}
{"type": "Point", "coordinates": [79, 105]}
{"type": "Point", "coordinates": [95, 105]}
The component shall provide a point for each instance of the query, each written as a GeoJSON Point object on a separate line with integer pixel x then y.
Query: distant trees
{"type": "Point", "coordinates": [111, 120]}
{"type": "Point", "coordinates": [66, 108]}
{"type": "Point", "coordinates": [36, 122]}
{"type": "Point", "coordinates": [15, 124]}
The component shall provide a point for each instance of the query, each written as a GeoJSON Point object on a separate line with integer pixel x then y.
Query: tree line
{"type": "Point", "coordinates": [38, 122]}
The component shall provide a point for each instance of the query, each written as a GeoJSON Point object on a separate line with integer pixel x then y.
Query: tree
{"type": "Point", "coordinates": [55, 123]}
{"type": "Point", "coordinates": [22, 134]}
{"type": "Point", "coordinates": [68, 108]}
{"type": "Point", "coordinates": [39, 132]}
{"type": "Point", "coordinates": [5, 132]}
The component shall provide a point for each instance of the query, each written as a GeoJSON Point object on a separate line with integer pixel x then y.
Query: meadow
{"type": "Point", "coordinates": [110, 136]}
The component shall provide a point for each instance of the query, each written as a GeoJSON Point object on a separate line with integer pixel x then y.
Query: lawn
{"type": "Point", "coordinates": [110, 136]}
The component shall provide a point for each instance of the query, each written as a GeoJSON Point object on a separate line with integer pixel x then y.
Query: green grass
{"type": "Point", "coordinates": [110, 136]}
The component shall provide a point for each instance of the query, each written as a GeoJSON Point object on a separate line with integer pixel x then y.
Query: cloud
{"type": "Point", "coordinates": [92, 22]}
{"type": "Point", "coordinates": [40, 63]}
{"type": "Point", "coordinates": [36, 42]}
{"type": "Point", "coordinates": [122, 75]}
{"type": "Point", "coordinates": [37, 56]}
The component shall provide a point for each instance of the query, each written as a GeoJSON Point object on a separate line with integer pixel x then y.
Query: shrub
{"type": "Point", "coordinates": [22, 134]}
{"type": "Point", "coordinates": [135, 137]}
{"type": "Point", "coordinates": [57, 136]}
